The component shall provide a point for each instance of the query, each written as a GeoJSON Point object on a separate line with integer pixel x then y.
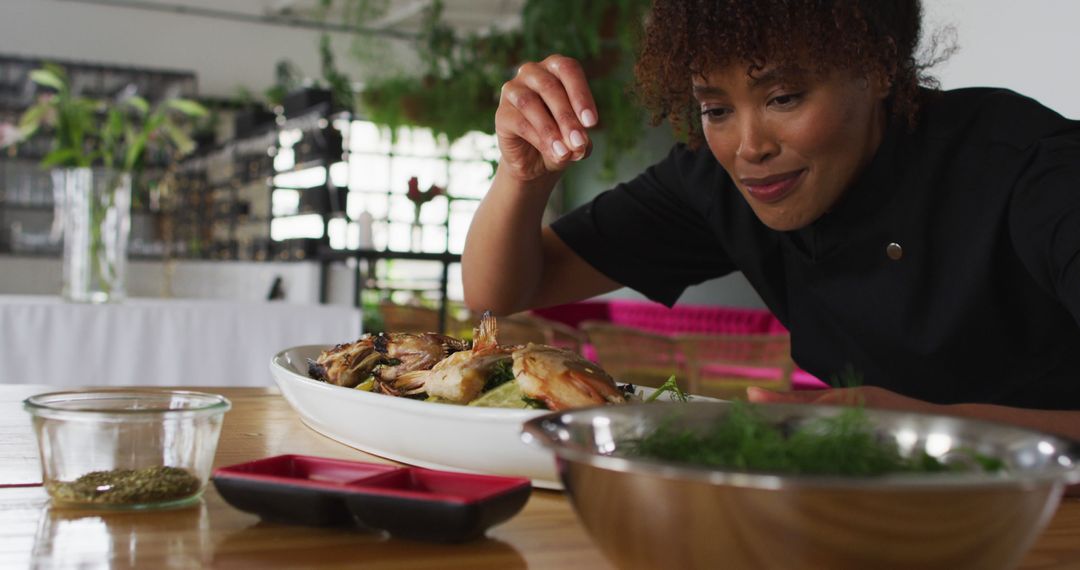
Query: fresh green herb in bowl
{"type": "Point", "coordinates": [803, 486]}
{"type": "Point", "coordinates": [844, 444]}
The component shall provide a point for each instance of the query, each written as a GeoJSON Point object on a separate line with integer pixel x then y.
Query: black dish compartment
{"type": "Point", "coordinates": [407, 502]}
{"type": "Point", "coordinates": [423, 504]}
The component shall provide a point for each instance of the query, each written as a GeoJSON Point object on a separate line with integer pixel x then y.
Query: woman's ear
{"type": "Point", "coordinates": [881, 82]}
{"type": "Point", "coordinates": [879, 85]}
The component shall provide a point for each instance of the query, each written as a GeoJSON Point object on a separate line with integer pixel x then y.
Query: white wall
{"type": "Point", "coordinates": [1030, 46]}
{"type": "Point", "coordinates": [224, 54]}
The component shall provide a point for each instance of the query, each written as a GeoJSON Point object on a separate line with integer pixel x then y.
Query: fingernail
{"type": "Point", "coordinates": [559, 148]}
{"type": "Point", "coordinates": [588, 118]}
{"type": "Point", "coordinates": [577, 139]}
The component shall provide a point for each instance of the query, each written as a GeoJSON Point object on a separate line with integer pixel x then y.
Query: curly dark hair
{"type": "Point", "coordinates": [686, 37]}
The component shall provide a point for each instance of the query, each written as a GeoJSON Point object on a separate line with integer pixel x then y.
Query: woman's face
{"type": "Point", "coordinates": [793, 142]}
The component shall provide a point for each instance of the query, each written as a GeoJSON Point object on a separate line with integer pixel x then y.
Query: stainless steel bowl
{"type": "Point", "coordinates": [654, 514]}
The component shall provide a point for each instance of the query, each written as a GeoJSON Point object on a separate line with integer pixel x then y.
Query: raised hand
{"type": "Point", "coordinates": [543, 116]}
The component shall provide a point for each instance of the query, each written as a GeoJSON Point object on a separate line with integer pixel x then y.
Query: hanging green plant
{"type": "Point", "coordinates": [458, 89]}
{"type": "Point", "coordinates": [287, 78]}
{"type": "Point", "coordinates": [338, 83]}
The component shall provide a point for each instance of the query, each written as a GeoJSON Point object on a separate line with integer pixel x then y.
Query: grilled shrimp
{"type": "Point", "coordinates": [563, 379]}
{"type": "Point", "coordinates": [384, 356]}
{"type": "Point", "coordinates": [461, 376]}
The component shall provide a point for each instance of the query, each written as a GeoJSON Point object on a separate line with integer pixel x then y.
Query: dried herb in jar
{"type": "Point", "coordinates": [127, 486]}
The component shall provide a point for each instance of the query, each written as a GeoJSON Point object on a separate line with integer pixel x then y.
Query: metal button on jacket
{"type": "Point", "coordinates": [894, 251]}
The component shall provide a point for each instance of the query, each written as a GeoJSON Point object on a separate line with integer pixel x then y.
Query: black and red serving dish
{"type": "Point", "coordinates": [407, 502]}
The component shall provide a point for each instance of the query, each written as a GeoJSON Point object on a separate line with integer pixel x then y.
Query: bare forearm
{"type": "Point", "coordinates": [510, 262]}
{"type": "Point", "coordinates": [503, 258]}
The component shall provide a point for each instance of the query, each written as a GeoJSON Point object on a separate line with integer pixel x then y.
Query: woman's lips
{"type": "Point", "coordinates": [773, 188]}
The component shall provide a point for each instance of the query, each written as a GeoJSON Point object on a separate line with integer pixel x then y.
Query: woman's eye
{"type": "Point", "coordinates": [786, 100]}
{"type": "Point", "coordinates": [714, 113]}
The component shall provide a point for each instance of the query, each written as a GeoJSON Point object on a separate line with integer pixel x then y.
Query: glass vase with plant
{"type": "Point", "coordinates": [98, 147]}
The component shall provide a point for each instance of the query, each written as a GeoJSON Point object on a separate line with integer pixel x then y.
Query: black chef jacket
{"type": "Point", "coordinates": [949, 272]}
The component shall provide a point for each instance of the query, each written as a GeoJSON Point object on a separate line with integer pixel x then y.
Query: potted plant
{"type": "Point", "coordinates": [98, 146]}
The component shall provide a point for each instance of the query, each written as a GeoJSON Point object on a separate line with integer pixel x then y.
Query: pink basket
{"type": "Point", "coordinates": [701, 319]}
{"type": "Point", "coordinates": [803, 380]}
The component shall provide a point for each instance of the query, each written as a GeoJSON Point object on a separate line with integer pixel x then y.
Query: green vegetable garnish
{"type": "Point", "coordinates": [508, 395]}
{"type": "Point", "coordinates": [847, 378]}
{"type": "Point", "coordinates": [533, 403]}
{"type": "Point", "coordinates": [501, 373]}
{"type": "Point", "coordinates": [671, 388]}
{"type": "Point", "coordinates": [367, 385]}
{"type": "Point", "coordinates": [988, 464]}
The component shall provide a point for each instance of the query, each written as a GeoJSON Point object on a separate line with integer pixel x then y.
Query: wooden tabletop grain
{"type": "Point", "coordinates": [212, 534]}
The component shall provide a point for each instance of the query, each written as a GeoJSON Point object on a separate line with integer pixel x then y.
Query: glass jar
{"type": "Point", "coordinates": [126, 448]}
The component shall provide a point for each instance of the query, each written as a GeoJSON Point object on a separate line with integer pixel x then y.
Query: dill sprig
{"type": "Point", "coordinates": [844, 444]}
{"type": "Point", "coordinates": [848, 377]}
{"type": "Point", "coordinates": [671, 388]}
{"type": "Point", "coordinates": [501, 373]}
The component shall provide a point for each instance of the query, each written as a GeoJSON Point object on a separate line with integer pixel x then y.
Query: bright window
{"type": "Point", "coordinates": [380, 167]}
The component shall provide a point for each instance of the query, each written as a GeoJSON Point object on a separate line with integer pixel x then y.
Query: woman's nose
{"type": "Point", "coordinates": [756, 142]}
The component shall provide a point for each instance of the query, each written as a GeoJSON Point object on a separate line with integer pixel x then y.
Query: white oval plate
{"type": "Point", "coordinates": [437, 436]}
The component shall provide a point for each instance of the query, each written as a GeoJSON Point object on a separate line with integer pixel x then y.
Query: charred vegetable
{"type": "Point", "coordinates": [385, 357]}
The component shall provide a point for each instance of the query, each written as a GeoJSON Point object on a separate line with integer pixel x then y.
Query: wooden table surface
{"type": "Point", "coordinates": [211, 534]}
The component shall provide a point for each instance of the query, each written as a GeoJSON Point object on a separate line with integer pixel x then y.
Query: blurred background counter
{"type": "Point", "coordinates": [158, 342]}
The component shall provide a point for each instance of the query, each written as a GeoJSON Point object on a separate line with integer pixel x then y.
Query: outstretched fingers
{"type": "Point", "coordinates": [576, 88]}
{"type": "Point", "coordinates": [555, 107]}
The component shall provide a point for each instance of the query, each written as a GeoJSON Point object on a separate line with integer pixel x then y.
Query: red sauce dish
{"type": "Point", "coordinates": [407, 502]}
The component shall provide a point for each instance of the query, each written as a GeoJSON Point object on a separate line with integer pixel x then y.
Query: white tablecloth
{"type": "Point", "coordinates": [44, 340]}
